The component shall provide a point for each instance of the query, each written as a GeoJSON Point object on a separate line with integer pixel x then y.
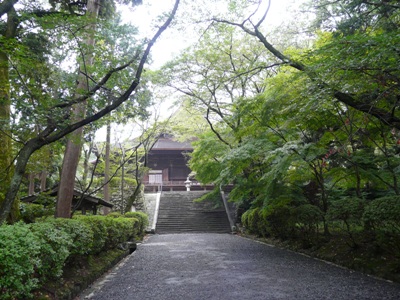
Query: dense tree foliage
{"type": "Point", "coordinates": [309, 136]}
{"type": "Point", "coordinates": [38, 42]}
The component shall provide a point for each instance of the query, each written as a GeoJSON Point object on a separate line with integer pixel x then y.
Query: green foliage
{"type": "Point", "coordinates": [278, 221]}
{"type": "Point", "coordinates": [205, 159]}
{"type": "Point", "coordinates": [32, 254]}
{"type": "Point", "coordinates": [250, 220]}
{"type": "Point", "coordinates": [30, 212]}
{"type": "Point", "coordinates": [213, 198]}
{"type": "Point", "coordinates": [308, 219]}
{"type": "Point", "coordinates": [120, 230]}
{"type": "Point", "coordinates": [82, 237]}
{"type": "Point", "coordinates": [55, 245]}
{"type": "Point", "coordinates": [346, 209]}
{"type": "Point", "coordinates": [114, 214]}
{"type": "Point", "coordinates": [99, 229]}
{"type": "Point", "coordinates": [19, 259]}
{"type": "Point", "coordinates": [141, 217]}
{"type": "Point", "coordinates": [384, 214]}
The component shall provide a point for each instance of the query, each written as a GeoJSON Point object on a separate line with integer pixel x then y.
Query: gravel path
{"type": "Point", "coordinates": [223, 266]}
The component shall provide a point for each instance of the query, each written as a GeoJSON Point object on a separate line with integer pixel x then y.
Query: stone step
{"type": "Point", "coordinates": [178, 213]}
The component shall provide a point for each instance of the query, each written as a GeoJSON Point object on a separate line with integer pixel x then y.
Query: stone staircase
{"type": "Point", "coordinates": [179, 214]}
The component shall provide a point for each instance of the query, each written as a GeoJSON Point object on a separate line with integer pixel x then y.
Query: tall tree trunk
{"type": "Point", "coordinates": [43, 180]}
{"type": "Point", "coordinates": [74, 143]}
{"type": "Point", "coordinates": [6, 156]}
{"type": "Point", "coordinates": [86, 162]}
{"type": "Point", "coordinates": [24, 154]}
{"type": "Point", "coordinates": [123, 181]}
{"type": "Point", "coordinates": [106, 188]}
{"type": "Point", "coordinates": [31, 186]}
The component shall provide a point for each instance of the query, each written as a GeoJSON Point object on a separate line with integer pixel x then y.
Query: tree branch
{"type": "Point", "coordinates": [383, 115]}
{"type": "Point", "coordinates": [6, 6]}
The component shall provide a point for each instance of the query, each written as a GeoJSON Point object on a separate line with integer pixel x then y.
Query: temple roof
{"type": "Point", "coordinates": [77, 194]}
{"type": "Point", "coordinates": [167, 143]}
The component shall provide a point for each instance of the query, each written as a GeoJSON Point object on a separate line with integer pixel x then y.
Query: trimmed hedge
{"type": "Point", "coordinates": [141, 216]}
{"type": "Point", "coordinates": [32, 254]}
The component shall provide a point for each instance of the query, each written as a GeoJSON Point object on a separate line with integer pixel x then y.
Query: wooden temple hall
{"type": "Point", "coordinates": [168, 161]}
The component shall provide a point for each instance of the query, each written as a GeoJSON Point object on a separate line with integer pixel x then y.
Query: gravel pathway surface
{"type": "Point", "coordinates": [223, 266]}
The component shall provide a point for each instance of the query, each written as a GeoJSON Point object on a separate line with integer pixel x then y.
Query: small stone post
{"type": "Point", "coordinates": [188, 183]}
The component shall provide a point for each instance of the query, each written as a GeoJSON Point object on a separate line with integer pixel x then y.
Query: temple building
{"type": "Point", "coordinates": [168, 163]}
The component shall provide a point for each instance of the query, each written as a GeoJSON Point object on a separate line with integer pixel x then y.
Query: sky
{"type": "Point", "coordinates": [172, 41]}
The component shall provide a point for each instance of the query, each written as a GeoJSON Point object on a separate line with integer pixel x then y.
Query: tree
{"type": "Point", "coordinates": [73, 148]}
{"type": "Point", "coordinates": [56, 130]}
{"type": "Point", "coordinates": [354, 47]}
{"type": "Point", "coordinates": [9, 32]}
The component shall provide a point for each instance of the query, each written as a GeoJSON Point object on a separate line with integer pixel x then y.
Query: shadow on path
{"type": "Point", "coordinates": [224, 266]}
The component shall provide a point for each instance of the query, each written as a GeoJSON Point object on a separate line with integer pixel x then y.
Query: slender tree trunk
{"type": "Point", "coordinates": [30, 147]}
{"type": "Point", "coordinates": [85, 174]}
{"type": "Point", "coordinates": [74, 143]}
{"type": "Point", "coordinates": [6, 156]}
{"type": "Point", "coordinates": [31, 187]}
{"type": "Point", "coordinates": [106, 188]}
{"type": "Point", "coordinates": [43, 180]}
{"type": "Point", "coordinates": [123, 181]}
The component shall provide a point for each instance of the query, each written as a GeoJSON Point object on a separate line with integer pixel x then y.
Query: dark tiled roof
{"type": "Point", "coordinates": [169, 144]}
{"type": "Point", "coordinates": [54, 191]}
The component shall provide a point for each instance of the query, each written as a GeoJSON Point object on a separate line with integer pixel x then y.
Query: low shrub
{"type": "Point", "coordinates": [32, 254]}
{"type": "Point", "coordinates": [308, 218]}
{"type": "Point", "coordinates": [19, 259]}
{"type": "Point", "coordinates": [250, 220]}
{"type": "Point", "coordinates": [383, 218]}
{"type": "Point", "coordinates": [114, 214]}
{"type": "Point", "coordinates": [278, 221]}
{"type": "Point", "coordinates": [143, 220]}
{"type": "Point", "coordinates": [80, 233]}
{"type": "Point", "coordinates": [384, 214]}
{"type": "Point", "coordinates": [30, 211]}
{"type": "Point", "coordinates": [348, 210]}
{"type": "Point", "coordinates": [98, 225]}
{"type": "Point", "coordinates": [119, 230]}
{"type": "Point", "coordinates": [54, 247]}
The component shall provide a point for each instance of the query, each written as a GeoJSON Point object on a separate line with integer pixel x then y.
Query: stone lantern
{"type": "Point", "coordinates": [188, 184]}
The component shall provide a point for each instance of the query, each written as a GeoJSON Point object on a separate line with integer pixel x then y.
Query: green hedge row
{"type": "Point", "coordinates": [31, 254]}
{"type": "Point", "coordinates": [381, 215]}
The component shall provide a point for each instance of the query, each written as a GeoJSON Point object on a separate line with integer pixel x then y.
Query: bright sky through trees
{"type": "Point", "coordinates": [174, 40]}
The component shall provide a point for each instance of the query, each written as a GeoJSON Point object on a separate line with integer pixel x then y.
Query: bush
{"type": "Point", "coordinates": [308, 217]}
{"type": "Point", "coordinates": [278, 221]}
{"type": "Point", "coordinates": [34, 253]}
{"type": "Point", "coordinates": [270, 220]}
{"type": "Point", "coordinates": [114, 214]}
{"type": "Point", "coordinates": [98, 225]}
{"type": "Point", "coordinates": [54, 248]}
{"type": "Point", "coordinates": [119, 230]}
{"type": "Point", "coordinates": [19, 259]}
{"type": "Point", "coordinates": [30, 211]}
{"type": "Point", "coordinates": [348, 210]}
{"type": "Point", "coordinates": [384, 214]}
{"type": "Point", "coordinates": [80, 233]}
{"type": "Point", "coordinates": [250, 220]}
{"type": "Point", "coordinates": [143, 220]}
